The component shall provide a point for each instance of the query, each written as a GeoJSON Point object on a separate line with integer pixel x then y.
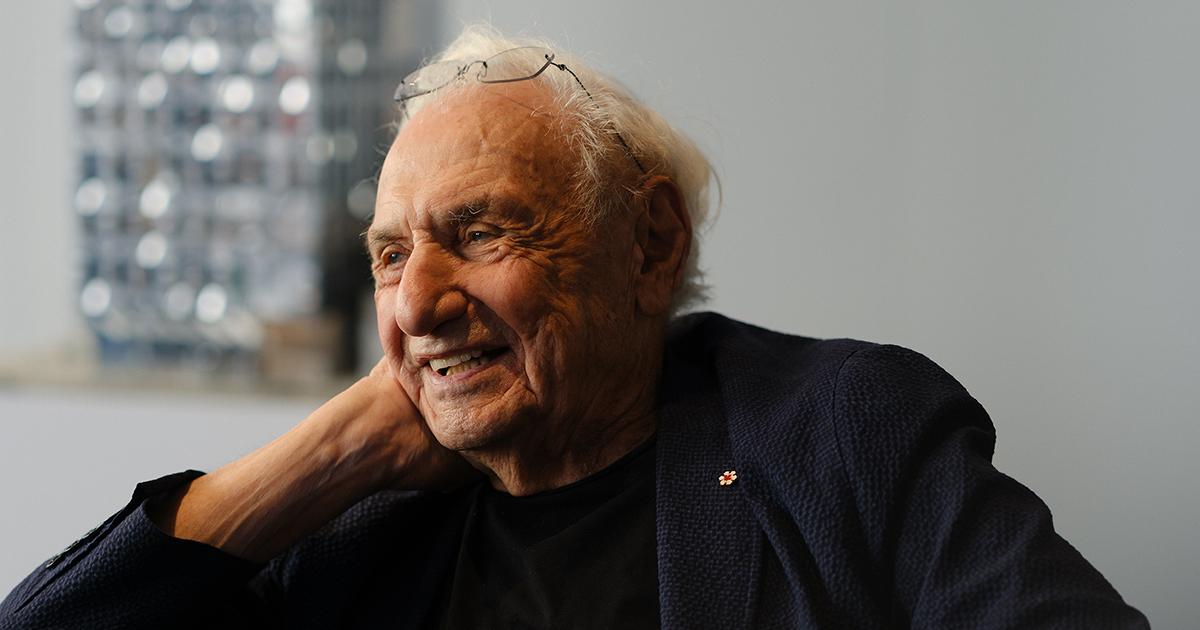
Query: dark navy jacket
{"type": "Point", "coordinates": [864, 498]}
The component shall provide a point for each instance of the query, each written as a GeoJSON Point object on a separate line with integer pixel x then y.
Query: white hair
{"type": "Point", "coordinates": [607, 172]}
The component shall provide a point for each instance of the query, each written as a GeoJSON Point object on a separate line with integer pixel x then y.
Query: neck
{"type": "Point", "coordinates": [532, 464]}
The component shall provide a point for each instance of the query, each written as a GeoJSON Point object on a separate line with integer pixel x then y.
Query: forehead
{"type": "Point", "coordinates": [481, 143]}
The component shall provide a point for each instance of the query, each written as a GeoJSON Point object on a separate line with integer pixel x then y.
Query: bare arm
{"type": "Point", "coordinates": [366, 439]}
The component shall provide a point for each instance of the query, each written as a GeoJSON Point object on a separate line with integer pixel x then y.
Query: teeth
{"type": "Point", "coordinates": [462, 367]}
{"type": "Point", "coordinates": [455, 364]}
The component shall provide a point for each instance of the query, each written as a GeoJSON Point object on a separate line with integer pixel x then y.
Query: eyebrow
{"type": "Point", "coordinates": [374, 237]}
{"type": "Point", "coordinates": [469, 210]}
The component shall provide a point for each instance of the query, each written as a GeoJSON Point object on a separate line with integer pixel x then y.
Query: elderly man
{"type": "Point", "coordinates": [579, 459]}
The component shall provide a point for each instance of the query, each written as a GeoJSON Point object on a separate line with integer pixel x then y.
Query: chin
{"type": "Point", "coordinates": [462, 430]}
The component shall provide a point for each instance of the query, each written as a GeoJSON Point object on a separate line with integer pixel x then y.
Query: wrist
{"type": "Point", "coordinates": [262, 504]}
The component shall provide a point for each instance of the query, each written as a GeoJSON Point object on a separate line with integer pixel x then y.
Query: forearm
{"type": "Point", "coordinates": [262, 504]}
{"type": "Point", "coordinates": [128, 574]}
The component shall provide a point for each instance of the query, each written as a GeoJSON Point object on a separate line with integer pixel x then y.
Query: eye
{"type": "Point", "coordinates": [389, 266]}
{"type": "Point", "coordinates": [479, 241]}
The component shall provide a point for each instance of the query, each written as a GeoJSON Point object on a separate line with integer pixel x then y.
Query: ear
{"type": "Point", "coordinates": [664, 238]}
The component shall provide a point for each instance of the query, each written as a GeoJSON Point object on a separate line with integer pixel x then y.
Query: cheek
{"type": "Point", "coordinates": [389, 332]}
{"type": "Point", "coordinates": [519, 294]}
{"type": "Point", "coordinates": [551, 324]}
{"type": "Point", "coordinates": [392, 341]}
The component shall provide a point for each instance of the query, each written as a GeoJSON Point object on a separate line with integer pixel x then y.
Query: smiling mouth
{"type": "Point", "coordinates": [448, 366]}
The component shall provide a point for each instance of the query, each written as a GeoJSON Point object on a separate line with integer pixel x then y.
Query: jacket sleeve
{"type": "Point", "coordinates": [127, 573]}
{"type": "Point", "coordinates": [960, 544]}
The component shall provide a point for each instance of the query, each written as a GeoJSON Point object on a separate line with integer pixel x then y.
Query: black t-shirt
{"type": "Point", "coordinates": [581, 556]}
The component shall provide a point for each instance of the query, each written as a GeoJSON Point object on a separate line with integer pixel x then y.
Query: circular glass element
{"type": "Point", "coordinates": [88, 89]}
{"type": "Point", "coordinates": [118, 22]}
{"type": "Point", "coordinates": [263, 57]}
{"type": "Point", "coordinates": [176, 54]}
{"type": "Point", "coordinates": [211, 303]}
{"type": "Point", "coordinates": [206, 56]}
{"type": "Point", "coordinates": [90, 196]}
{"type": "Point", "coordinates": [152, 91]}
{"type": "Point", "coordinates": [293, 15]}
{"type": "Point", "coordinates": [319, 148]}
{"type": "Point", "coordinates": [361, 200]}
{"type": "Point", "coordinates": [352, 57]}
{"type": "Point", "coordinates": [202, 25]}
{"type": "Point", "coordinates": [345, 145]}
{"type": "Point", "coordinates": [151, 249]}
{"type": "Point", "coordinates": [178, 301]}
{"type": "Point", "coordinates": [294, 96]}
{"type": "Point", "coordinates": [206, 144]}
{"type": "Point", "coordinates": [237, 93]}
{"type": "Point", "coordinates": [155, 199]}
{"type": "Point", "coordinates": [95, 298]}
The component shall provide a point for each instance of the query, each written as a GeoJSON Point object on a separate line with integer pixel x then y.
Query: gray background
{"type": "Point", "coordinates": [1009, 187]}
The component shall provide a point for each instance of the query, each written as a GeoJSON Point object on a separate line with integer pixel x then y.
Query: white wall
{"type": "Point", "coordinates": [37, 238]}
{"type": "Point", "coordinates": [69, 459]}
{"type": "Point", "coordinates": [1009, 187]}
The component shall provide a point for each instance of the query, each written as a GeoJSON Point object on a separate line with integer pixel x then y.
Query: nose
{"type": "Point", "coordinates": [429, 293]}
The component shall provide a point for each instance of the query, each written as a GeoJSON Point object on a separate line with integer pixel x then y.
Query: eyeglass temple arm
{"type": "Point", "coordinates": [563, 66]}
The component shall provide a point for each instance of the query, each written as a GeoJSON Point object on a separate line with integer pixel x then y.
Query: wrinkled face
{"type": "Point", "coordinates": [502, 315]}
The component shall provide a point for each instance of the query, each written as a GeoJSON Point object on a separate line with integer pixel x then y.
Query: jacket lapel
{"type": "Point", "coordinates": [709, 543]}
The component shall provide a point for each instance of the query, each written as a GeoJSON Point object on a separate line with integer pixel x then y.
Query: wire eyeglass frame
{"type": "Point", "coordinates": [439, 75]}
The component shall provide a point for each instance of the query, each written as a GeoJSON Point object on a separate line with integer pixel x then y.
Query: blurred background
{"type": "Point", "coordinates": [1008, 187]}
